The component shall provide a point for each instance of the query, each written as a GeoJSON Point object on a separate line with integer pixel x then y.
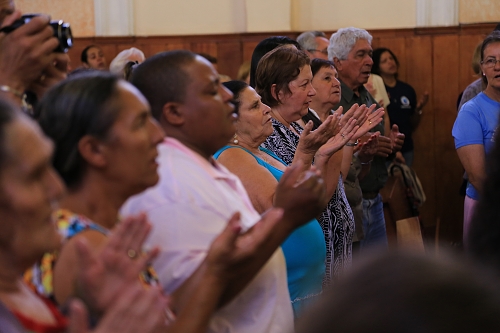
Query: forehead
{"type": "Point", "coordinates": [327, 70]}
{"type": "Point", "coordinates": [201, 72]}
{"type": "Point", "coordinates": [248, 95]}
{"type": "Point", "coordinates": [492, 49]}
{"type": "Point", "coordinates": [361, 45]}
{"type": "Point", "coordinates": [322, 43]}
{"type": "Point", "coordinates": [94, 50]}
{"type": "Point", "coordinates": [26, 146]}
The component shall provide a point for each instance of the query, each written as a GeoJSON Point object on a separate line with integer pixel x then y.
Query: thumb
{"type": "Point", "coordinates": [11, 18]}
{"type": "Point", "coordinates": [230, 233]}
{"type": "Point", "coordinates": [395, 128]}
{"type": "Point", "coordinates": [307, 129]}
{"type": "Point", "coordinates": [78, 317]}
{"type": "Point", "coordinates": [290, 176]}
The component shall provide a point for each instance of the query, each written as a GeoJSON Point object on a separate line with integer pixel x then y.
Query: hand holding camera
{"type": "Point", "coordinates": [28, 57]}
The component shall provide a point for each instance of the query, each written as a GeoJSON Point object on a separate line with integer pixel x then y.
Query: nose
{"type": "Point", "coordinates": [335, 82]}
{"type": "Point", "coordinates": [312, 91]}
{"type": "Point", "coordinates": [265, 108]}
{"type": "Point", "coordinates": [157, 133]}
{"type": "Point", "coordinates": [226, 94]}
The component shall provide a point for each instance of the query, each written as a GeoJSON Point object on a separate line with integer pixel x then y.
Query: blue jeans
{"type": "Point", "coordinates": [373, 224]}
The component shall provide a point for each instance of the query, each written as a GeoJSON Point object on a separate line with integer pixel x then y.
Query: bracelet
{"type": "Point", "coordinates": [366, 163]}
{"type": "Point", "coordinates": [353, 144]}
{"type": "Point", "coordinates": [13, 91]}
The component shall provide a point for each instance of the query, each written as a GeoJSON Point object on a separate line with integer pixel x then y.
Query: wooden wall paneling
{"type": "Point", "coordinates": [398, 46]}
{"type": "Point", "coordinates": [448, 168]}
{"type": "Point", "coordinates": [205, 47]}
{"type": "Point", "coordinates": [248, 47]}
{"type": "Point", "coordinates": [468, 44]}
{"type": "Point", "coordinates": [419, 76]}
{"type": "Point", "coordinates": [230, 57]}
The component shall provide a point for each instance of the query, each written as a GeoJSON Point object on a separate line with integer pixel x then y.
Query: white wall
{"type": "Point", "coordinates": [182, 17]}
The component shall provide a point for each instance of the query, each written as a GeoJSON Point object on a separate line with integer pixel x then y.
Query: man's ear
{"type": "Point", "coordinates": [337, 63]}
{"type": "Point", "coordinates": [173, 113]}
{"type": "Point", "coordinates": [92, 150]}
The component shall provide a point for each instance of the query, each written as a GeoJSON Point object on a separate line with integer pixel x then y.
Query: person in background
{"type": "Point", "coordinates": [475, 127]}
{"type": "Point", "coordinates": [244, 72]}
{"type": "Point", "coordinates": [119, 64]}
{"type": "Point", "coordinates": [404, 110]}
{"type": "Point", "coordinates": [314, 44]}
{"type": "Point", "coordinates": [350, 50]}
{"type": "Point", "coordinates": [93, 57]}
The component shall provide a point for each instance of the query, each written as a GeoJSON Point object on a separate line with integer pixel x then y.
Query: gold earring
{"type": "Point", "coordinates": [235, 140]}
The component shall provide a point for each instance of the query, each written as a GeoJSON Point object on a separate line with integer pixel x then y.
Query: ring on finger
{"type": "Point", "coordinates": [131, 254]}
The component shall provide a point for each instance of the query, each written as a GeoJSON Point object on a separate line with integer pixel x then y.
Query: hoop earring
{"type": "Point", "coordinates": [235, 139]}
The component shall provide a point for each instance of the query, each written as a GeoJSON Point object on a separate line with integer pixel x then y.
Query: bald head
{"type": "Point", "coordinates": [163, 78]}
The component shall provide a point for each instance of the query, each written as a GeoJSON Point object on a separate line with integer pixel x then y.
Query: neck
{"type": "Point", "coordinates": [97, 199]}
{"type": "Point", "coordinates": [249, 145]}
{"type": "Point", "coordinates": [11, 272]}
{"type": "Point", "coordinates": [492, 93]}
{"type": "Point", "coordinates": [389, 79]}
{"type": "Point", "coordinates": [322, 109]}
{"type": "Point", "coordinates": [276, 114]}
{"type": "Point", "coordinates": [354, 87]}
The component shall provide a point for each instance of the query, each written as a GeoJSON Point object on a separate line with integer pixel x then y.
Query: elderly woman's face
{"type": "Point", "coordinates": [490, 65]}
{"type": "Point", "coordinates": [254, 120]}
{"type": "Point", "coordinates": [327, 86]}
{"type": "Point", "coordinates": [302, 91]}
{"type": "Point", "coordinates": [29, 190]}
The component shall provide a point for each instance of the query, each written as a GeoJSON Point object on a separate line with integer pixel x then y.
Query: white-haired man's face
{"type": "Point", "coordinates": [355, 70]}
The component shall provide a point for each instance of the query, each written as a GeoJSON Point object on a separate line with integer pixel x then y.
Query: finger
{"type": "Point", "coordinates": [339, 111]}
{"type": "Point", "coordinates": [11, 18]}
{"type": "Point", "coordinates": [78, 317]}
{"type": "Point", "coordinates": [395, 128]}
{"type": "Point", "coordinates": [307, 129]}
{"type": "Point", "coordinates": [227, 238]}
{"type": "Point", "coordinates": [36, 25]}
{"type": "Point", "coordinates": [290, 176]}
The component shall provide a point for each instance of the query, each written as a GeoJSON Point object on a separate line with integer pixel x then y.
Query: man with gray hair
{"type": "Point", "coordinates": [314, 43]}
{"type": "Point", "coordinates": [350, 50]}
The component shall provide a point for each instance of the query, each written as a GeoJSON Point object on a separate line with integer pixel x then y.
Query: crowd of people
{"type": "Point", "coordinates": [157, 195]}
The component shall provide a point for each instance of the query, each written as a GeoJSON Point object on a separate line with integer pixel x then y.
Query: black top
{"type": "Point", "coordinates": [401, 109]}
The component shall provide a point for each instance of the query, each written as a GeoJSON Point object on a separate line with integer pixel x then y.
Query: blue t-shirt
{"type": "Point", "coordinates": [476, 123]}
{"type": "Point", "coordinates": [304, 251]}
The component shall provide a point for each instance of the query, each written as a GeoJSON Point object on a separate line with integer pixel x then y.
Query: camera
{"type": "Point", "coordinates": [62, 31]}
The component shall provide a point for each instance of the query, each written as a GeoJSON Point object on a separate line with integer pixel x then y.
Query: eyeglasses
{"type": "Point", "coordinates": [490, 62]}
{"type": "Point", "coordinates": [325, 52]}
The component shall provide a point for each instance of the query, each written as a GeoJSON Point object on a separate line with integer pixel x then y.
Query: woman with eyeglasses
{"type": "Point", "coordinates": [476, 124]}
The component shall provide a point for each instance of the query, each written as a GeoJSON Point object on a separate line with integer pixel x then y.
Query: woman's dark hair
{"type": "Point", "coordinates": [84, 56]}
{"type": "Point", "coordinates": [280, 67]}
{"type": "Point", "coordinates": [264, 47]}
{"type": "Point", "coordinates": [317, 64]}
{"type": "Point", "coordinates": [494, 37]}
{"type": "Point", "coordinates": [86, 104]}
{"type": "Point", "coordinates": [377, 53]}
{"type": "Point", "coordinates": [236, 87]}
{"type": "Point", "coordinates": [8, 114]}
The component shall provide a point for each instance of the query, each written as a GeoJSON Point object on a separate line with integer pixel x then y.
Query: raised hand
{"type": "Point", "coordinates": [372, 119]}
{"type": "Point", "coordinates": [336, 143]}
{"type": "Point", "coordinates": [397, 138]}
{"type": "Point", "coordinates": [101, 280]}
{"type": "Point", "coordinates": [301, 195]}
{"type": "Point", "coordinates": [369, 148]}
{"type": "Point", "coordinates": [310, 141]}
{"type": "Point", "coordinates": [384, 147]}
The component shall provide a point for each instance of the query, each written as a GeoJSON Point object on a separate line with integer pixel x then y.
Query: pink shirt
{"type": "Point", "coordinates": [188, 208]}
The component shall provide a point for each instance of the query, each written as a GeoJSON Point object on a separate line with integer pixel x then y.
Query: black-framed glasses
{"type": "Point", "coordinates": [325, 52]}
{"type": "Point", "coordinates": [490, 62]}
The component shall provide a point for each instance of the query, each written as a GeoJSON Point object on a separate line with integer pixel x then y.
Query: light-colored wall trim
{"type": "Point", "coordinates": [432, 13]}
{"type": "Point", "coordinates": [114, 17]}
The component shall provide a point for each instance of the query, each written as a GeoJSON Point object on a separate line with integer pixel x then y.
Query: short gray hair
{"type": "Point", "coordinates": [342, 42]}
{"type": "Point", "coordinates": [307, 40]}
